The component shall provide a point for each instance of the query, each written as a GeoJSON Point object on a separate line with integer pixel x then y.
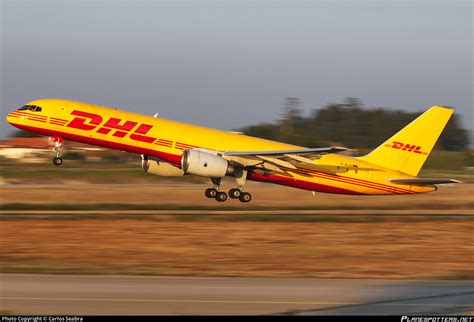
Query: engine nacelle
{"type": "Point", "coordinates": [205, 164]}
{"type": "Point", "coordinates": [160, 168]}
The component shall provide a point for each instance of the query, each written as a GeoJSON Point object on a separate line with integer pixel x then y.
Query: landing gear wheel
{"type": "Point", "coordinates": [234, 193]}
{"type": "Point", "coordinates": [221, 196]}
{"type": "Point", "coordinates": [211, 193]}
{"type": "Point", "coordinates": [245, 197]}
{"type": "Point", "coordinates": [57, 160]}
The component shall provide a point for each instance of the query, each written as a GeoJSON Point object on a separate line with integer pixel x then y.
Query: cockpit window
{"type": "Point", "coordinates": [32, 108]}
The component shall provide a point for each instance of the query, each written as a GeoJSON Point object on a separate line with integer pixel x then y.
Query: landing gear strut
{"type": "Point", "coordinates": [58, 144]}
{"type": "Point", "coordinates": [241, 177]}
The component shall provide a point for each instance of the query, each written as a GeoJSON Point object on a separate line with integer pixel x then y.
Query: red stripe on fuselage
{"type": "Point", "coordinates": [27, 114]}
{"type": "Point", "coordinates": [358, 182]}
{"type": "Point", "coordinates": [28, 117]}
{"type": "Point", "coordinates": [163, 144]}
{"type": "Point", "coordinates": [35, 119]}
{"type": "Point", "coordinates": [349, 180]}
{"type": "Point", "coordinates": [301, 184]}
{"type": "Point", "coordinates": [369, 184]}
{"type": "Point", "coordinates": [366, 184]}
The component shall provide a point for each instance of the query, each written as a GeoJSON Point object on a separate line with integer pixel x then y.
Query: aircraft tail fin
{"type": "Point", "coordinates": [408, 149]}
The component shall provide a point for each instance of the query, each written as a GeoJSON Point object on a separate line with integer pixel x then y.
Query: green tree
{"type": "Point", "coordinates": [349, 123]}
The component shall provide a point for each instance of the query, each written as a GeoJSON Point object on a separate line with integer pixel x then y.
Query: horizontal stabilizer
{"type": "Point", "coordinates": [423, 181]}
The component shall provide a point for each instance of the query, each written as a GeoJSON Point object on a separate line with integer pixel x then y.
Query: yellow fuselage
{"type": "Point", "coordinates": [166, 140]}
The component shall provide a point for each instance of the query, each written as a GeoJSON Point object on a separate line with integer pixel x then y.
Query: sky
{"type": "Point", "coordinates": [227, 64]}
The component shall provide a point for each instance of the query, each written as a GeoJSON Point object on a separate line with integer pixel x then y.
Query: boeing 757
{"type": "Point", "coordinates": [174, 149]}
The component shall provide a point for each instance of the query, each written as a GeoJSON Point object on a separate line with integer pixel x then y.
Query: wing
{"type": "Point", "coordinates": [423, 181]}
{"type": "Point", "coordinates": [301, 152]}
{"type": "Point", "coordinates": [279, 160]}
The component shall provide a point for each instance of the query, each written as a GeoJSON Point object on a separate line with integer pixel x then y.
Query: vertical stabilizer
{"type": "Point", "coordinates": [408, 150]}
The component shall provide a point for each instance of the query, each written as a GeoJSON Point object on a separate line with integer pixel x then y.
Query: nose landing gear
{"type": "Point", "coordinates": [58, 144]}
{"type": "Point", "coordinates": [57, 160]}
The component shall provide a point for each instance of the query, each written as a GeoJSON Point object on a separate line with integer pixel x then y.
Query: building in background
{"type": "Point", "coordinates": [39, 149]}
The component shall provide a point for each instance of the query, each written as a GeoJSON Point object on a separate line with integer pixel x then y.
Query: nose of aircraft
{"type": "Point", "coordinates": [9, 118]}
{"type": "Point", "coordinates": [12, 116]}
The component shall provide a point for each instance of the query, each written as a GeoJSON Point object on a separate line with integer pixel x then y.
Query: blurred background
{"type": "Point", "coordinates": [322, 73]}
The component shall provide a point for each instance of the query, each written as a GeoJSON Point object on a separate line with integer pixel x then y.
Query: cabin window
{"type": "Point", "coordinates": [32, 108]}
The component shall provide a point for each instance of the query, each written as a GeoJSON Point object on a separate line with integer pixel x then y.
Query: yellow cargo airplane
{"type": "Point", "coordinates": [174, 149]}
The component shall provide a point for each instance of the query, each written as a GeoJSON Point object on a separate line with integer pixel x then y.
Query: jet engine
{"type": "Point", "coordinates": [160, 168]}
{"type": "Point", "coordinates": [205, 164]}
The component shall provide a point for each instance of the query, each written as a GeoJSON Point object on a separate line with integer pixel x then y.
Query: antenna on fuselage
{"type": "Point", "coordinates": [155, 116]}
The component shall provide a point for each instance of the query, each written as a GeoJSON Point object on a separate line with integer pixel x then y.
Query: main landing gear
{"type": "Point", "coordinates": [58, 144]}
{"type": "Point", "coordinates": [214, 192]}
{"type": "Point", "coordinates": [234, 193]}
{"type": "Point", "coordinates": [239, 194]}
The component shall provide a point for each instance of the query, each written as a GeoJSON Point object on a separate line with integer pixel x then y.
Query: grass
{"type": "Point", "coordinates": [208, 247]}
{"type": "Point", "coordinates": [90, 172]}
{"type": "Point", "coordinates": [466, 175]}
{"type": "Point", "coordinates": [204, 244]}
{"type": "Point", "coordinates": [102, 172]}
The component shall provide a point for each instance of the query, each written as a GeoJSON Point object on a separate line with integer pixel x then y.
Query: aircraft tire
{"type": "Point", "coordinates": [211, 193]}
{"type": "Point", "coordinates": [234, 193]}
{"type": "Point", "coordinates": [221, 196]}
{"type": "Point", "coordinates": [245, 197]}
{"type": "Point", "coordinates": [57, 160]}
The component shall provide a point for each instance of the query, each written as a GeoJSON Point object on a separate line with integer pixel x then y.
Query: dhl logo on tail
{"type": "Point", "coordinates": [406, 147]}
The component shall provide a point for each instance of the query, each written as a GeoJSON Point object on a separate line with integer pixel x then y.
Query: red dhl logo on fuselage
{"type": "Point", "coordinates": [406, 147]}
{"type": "Point", "coordinates": [89, 121]}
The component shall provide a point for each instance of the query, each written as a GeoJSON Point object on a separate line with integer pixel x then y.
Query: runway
{"type": "Point", "coordinates": [147, 295]}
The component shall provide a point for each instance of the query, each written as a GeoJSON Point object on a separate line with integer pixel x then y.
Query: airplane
{"type": "Point", "coordinates": [173, 149]}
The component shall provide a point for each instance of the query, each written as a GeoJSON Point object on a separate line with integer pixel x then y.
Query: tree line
{"type": "Point", "coordinates": [349, 124]}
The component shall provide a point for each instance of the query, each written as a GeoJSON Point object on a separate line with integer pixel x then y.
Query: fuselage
{"type": "Point", "coordinates": [165, 140]}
